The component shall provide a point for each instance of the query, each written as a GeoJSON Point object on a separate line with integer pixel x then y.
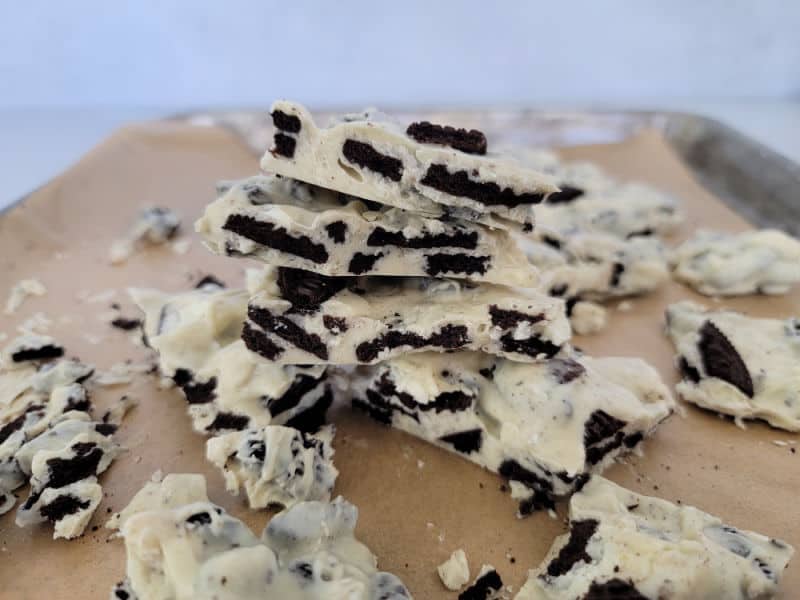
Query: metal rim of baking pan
{"type": "Point", "coordinates": [754, 180]}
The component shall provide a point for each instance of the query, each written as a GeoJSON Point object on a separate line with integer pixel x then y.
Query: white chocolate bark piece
{"type": "Point", "coordinates": [587, 317]}
{"type": "Point", "coordinates": [228, 388]}
{"type": "Point", "coordinates": [714, 263]}
{"type": "Point", "coordinates": [626, 210]}
{"type": "Point", "coordinates": [293, 224]}
{"type": "Point", "coordinates": [64, 487]}
{"type": "Point", "coordinates": [197, 551]}
{"type": "Point", "coordinates": [737, 365]}
{"type": "Point", "coordinates": [276, 466]}
{"type": "Point", "coordinates": [545, 425]}
{"type": "Point", "coordinates": [625, 545]}
{"type": "Point", "coordinates": [300, 317]}
{"type": "Point", "coordinates": [174, 490]}
{"type": "Point", "coordinates": [22, 290]}
{"type": "Point", "coordinates": [587, 265]}
{"type": "Point", "coordinates": [154, 225]}
{"type": "Point", "coordinates": [367, 156]}
{"type": "Point", "coordinates": [454, 572]}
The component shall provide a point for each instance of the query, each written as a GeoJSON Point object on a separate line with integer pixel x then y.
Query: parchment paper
{"type": "Point", "coordinates": [417, 503]}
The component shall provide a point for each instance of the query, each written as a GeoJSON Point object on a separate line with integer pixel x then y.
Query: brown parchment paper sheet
{"type": "Point", "coordinates": [417, 503]}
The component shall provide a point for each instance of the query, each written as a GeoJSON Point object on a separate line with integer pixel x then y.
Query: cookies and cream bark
{"type": "Point", "coordinates": [737, 365]}
{"type": "Point", "coordinates": [714, 263]}
{"type": "Point", "coordinates": [292, 224]}
{"type": "Point", "coordinates": [228, 388]}
{"type": "Point", "coordinates": [587, 265]}
{"type": "Point", "coordinates": [197, 551]}
{"type": "Point", "coordinates": [545, 426]}
{"type": "Point", "coordinates": [626, 210]}
{"type": "Point", "coordinates": [276, 466]}
{"type": "Point", "coordinates": [625, 545]}
{"type": "Point", "coordinates": [300, 317]}
{"type": "Point", "coordinates": [425, 168]}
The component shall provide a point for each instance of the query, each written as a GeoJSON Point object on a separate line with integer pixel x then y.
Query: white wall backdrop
{"type": "Point", "coordinates": [157, 53]}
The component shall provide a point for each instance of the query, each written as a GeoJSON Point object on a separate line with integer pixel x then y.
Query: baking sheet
{"type": "Point", "coordinates": [417, 503]}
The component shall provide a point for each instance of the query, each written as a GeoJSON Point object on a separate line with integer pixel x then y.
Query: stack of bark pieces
{"type": "Point", "coordinates": [393, 252]}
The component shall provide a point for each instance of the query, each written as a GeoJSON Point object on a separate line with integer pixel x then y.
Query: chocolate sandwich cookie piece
{"type": "Point", "coordinates": [374, 318]}
{"type": "Point", "coordinates": [544, 426]}
{"type": "Point", "coordinates": [624, 545]}
{"type": "Point", "coordinates": [487, 585]}
{"type": "Point", "coordinates": [315, 229]}
{"type": "Point", "coordinates": [307, 551]}
{"type": "Point", "coordinates": [32, 347]}
{"type": "Point", "coordinates": [154, 225]}
{"type": "Point", "coordinates": [714, 263]}
{"type": "Point", "coordinates": [198, 336]}
{"type": "Point", "coordinates": [737, 365]}
{"type": "Point", "coordinates": [429, 168]}
{"type": "Point", "coordinates": [276, 465]}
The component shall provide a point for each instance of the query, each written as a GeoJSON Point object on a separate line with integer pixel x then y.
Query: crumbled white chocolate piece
{"type": "Point", "coordinates": [21, 291]}
{"type": "Point", "coordinates": [454, 572]}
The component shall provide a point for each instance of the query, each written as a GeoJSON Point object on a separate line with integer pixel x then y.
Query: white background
{"type": "Point", "coordinates": [247, 52]}
{"type": "Point", "coordinates": [72, 71]}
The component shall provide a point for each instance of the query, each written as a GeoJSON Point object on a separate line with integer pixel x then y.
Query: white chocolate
{"type": "Point", "coordinates": [769, 350]}
{"type": "Point", "coordinates": [319, 158]}
{"type": "Point", "coordinates": [714, 263]}
{"type": "Point", "coordinates": [645, 545]}
{"type": "Point", "coordinates": [454, 572]}
{"type": "Point", "coordinates": [545, 424]}
{"type": "Point", "coordinates": [196, 550]}
{"type": "Point", "coordinates": [288, 223]}
{"type": "Point", "coordinates": [276, 466]}
{"type": "Point", "coordinates": [353, 327]}
{"type": "Point", "coordinates": [588, 318]}
{"type": "Point", "coordinates": [197, 336]}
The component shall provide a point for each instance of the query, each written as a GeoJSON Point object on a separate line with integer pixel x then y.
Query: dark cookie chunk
{"type": "Point", "coordinates": [532, 346]}
{"type": "Point", "coordinates": [182, 377]}
{"type": "Point", "coordinates": [288, 330]}
{"type": "Point", "coordinates": [425, 132]}
{"type": "Point", "coordinates": [613, 589]}
{"type": "Point", "coordinates": [337, 231]}
{"type": "Point", "coordinates": [465, 442]}
{"type": "Point", "coordinates": [10, 427]}
{"type": "Point", "coordinates": [487, 193]}
{"type": "Point", "coordinates": [483, 588]}
{"type": "Point", "coordinates": [302, 569]}
{"type": "Point", "coordinates": [278, 238]}
{"type": "Point", "coordinates": [335, 325]}
{"type": "Point", "coordinates": [201, 518]}
{"type": "Point", "coordinates": [488, 372]}
{"type": "Point", "coordinates": [201, 392]}
{"type": "Point", "coordinates": [460, 239]}
{"type": "Point", "coordinates": [568, 193]}
{"type": "Point", "coordinates": [209, 280]}
{"type": "Point", "coordinates": [453, 401]}
{"type": "Point", "coordinates": [382, 413]}
{"type": "Point", "coordinates": [565, 370]}
{"type": "Point", "coordinates": [361, 263]}
{"type": "Point", "coordinates": [225, 421]}
{"type": "Point", "coordinates": [508, 319]}
{"type": "Point", "coordinates": [387, 388]}
{"type": "Point", "coordinates": [258, 342]}
{"type": "Point", "coordinates": [634, 438]}
{"type": "Point", "coordinates": [449, 337]}
{"type": "Point", "coordinates": [558, 291]}
{"type": "Point", "coordinates": [646, 232]}
{"type": "Point", "coordinates": [601, 427]}
{"type": "Point", "coordinates": [306, 290]}
{"type": "Point", "coordinates": [616, 273]}
{"type": "Point", "coordinates": [574, 551]}
{"type": "Point", "coordinates": [301, 386]}
{"type": "Point", "coordinates": [552, 242]}
{"type": "Point", "coordinates": [284, 145]}
{"type": "Point", "coordinates": [312, 418]}
{"type": "Point", "coordinates": [721, 360]}
{"type": "Point", "coordinates": [63, 471]}
{"type": "Point", "coordinates": [63, 506]}
{"type": "Point", "coordinates": [106, 429]}
{"type": "Point", "coordinates": [366, 157]}
{"type": "Point", "coordinates": [45, 352]}
{"type": "Point", "coordinates": [126, 324]}
{"type": "Point", "coordinates": [286, 122]}
{"type": "Point", "coordinates": [438, 264]}
{"type": "Point", "coordinates": [541, 488]}
{"type": "Point", "coordinates": [688, 371]}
